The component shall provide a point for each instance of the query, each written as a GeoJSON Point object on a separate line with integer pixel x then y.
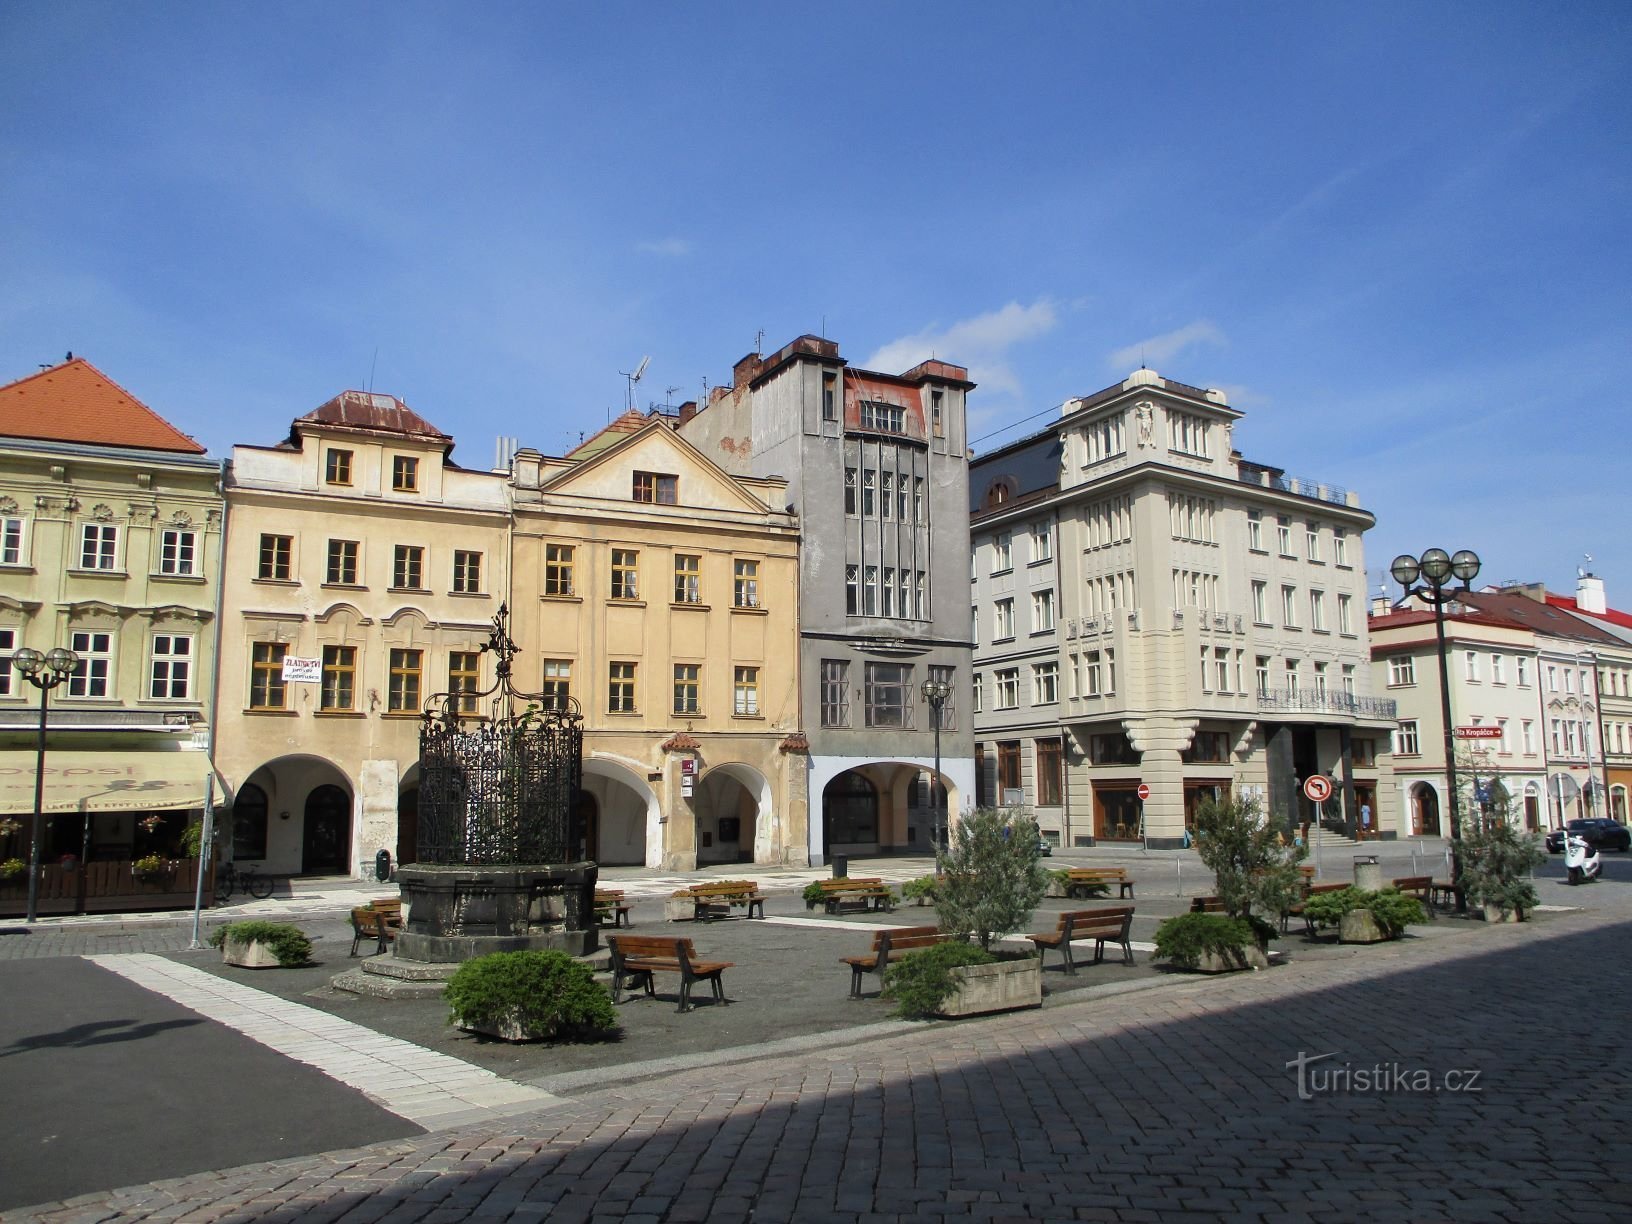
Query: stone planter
{"type": "Point", "coordinates": [251, 955]}
{"type": "Point", "coordinates": [1359, 927]}
{"type": "Point", "coordinates": [1249, 957]}
{"type": "Point", "coordinates": [508, 1029]}
{"type": "Point", "coordinates": [1001, 986]}
{"type": "Point", "coordinates": [1495, 913]}
{"type": "Point", "coordinates": [679, 909]}
{"type": "Point", "coordinates": [1056, 889]}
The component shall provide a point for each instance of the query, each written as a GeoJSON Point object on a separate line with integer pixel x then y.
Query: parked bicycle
{"type": "Point", "coordinates": [229, 878]}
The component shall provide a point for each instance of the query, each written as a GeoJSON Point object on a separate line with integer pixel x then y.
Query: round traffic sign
{"type": "Point", "coordinates": [1144, 791]}
{"type": "Point", "coordinates": [1317, 787]}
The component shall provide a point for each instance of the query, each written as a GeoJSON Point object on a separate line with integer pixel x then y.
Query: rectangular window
{"type": "Point", "coordinates": [467, 572]}
{"type": "Point", "coordinates": [625, 573]}
{"type": "Point", "coordinates": [745, 693]}
{"type": "Point", "coordinates": [13, 539]}
{"type": "Point", "coordinates": [889, 697]}
{"type": "Point", "coordinates": [1050, 773]}
{"type": "Point", "coordinates": [686, 700]}
{"type": "Point", "coordinates": [850, 490]}
{"type": "Point", "coordinates": [1365, 752]}
{"type": "Point", "coordinates": [1345, 614]}
{"type": "Point", "coordinates": [1002, 553]}
{"type": "Point", "coordinates": [1320, 680]}
{"type": "Point", "coordinates": [620, 688]}
{"type": "Point", "coordinates": [341, 569]}
{"type": "Point", "coordinates": [1292, 677]}
{"type": "Point", "coordinates": [869, 591]}
{"type": "Point", "coordinates": [1008, 770]}
{"type": "Point", "coordinates": [1527, 736]}
{"type": "Point", "coordinates": [886, 605]}
{"type": "Point", "coordinates": [1406, 741]}
{"type": "Point", "coordinates": [885, 418]}
{"type": "Point", "coordinates": [659, 488]}
{"type": "Point", "coordinates": [404, 474]}
{"type": "Point", "coordinates": [95, 651]}
{"type": "Point", "coordinates": [408, 567]}
{"type": "Point", "coordinates": [1002, 620]}
{"type": "Point", "coordinates": [557, 683]}
{"type": "Point", "coordinates": [1042, 611]}
{"type": "Point", "coordinates": [275, 554]}
{"type": "Point", "coordinates": [8, 643]}
{"type": "Point", "coordinates": [1262, 668]}
{"type": "Point", "coordinates": [977, 689]}
{"type": "Point", "coordinates": [1283, 535]}
{"type": "Point", "coordinates": [339, 687]}
{"type": "Point", "coordinates": [1348, 679]}
{"type": "Point", "coordinates": [266, 690]}
{"type": "Point", "coordinates": [1289, 607]}
{"type": "Point", "coordinates": [937, 420]}
{"type": "Point", "coordinates": [1402, 669]}
{"type": "Point", "coordinates": [1260, 601]}
{"type": "Point", "coordinates": [886, 495]}
{"type": "Point", "coordinates": [1317, 611]}
{"type": "Point", "coordinates": [1255, 531]}
{"type": "Point", "coordinates": [403, 694]}
{"type": "Point", "coordinates": [1311, 537]}
{"type": "Point", "coordinates": [745, 584]}
{"type": "Point", "coordinates": [688, 579]}
{"type": "Point", "coordinates": [171, 675]}
{"type": "Point", "coordinates": [1221, 669]}
{"type": "Point", "coordinates": [98, 546]}
{"type": "Point", "coordinates": [337, 467]}
{"type": "Point", "coordinates": [1470, 666]}
{"type": "Point", "coordinates": [869, 492]}
{"type": "Point", "coordinates": [1042, 542]}
{"type": "Point", "coordinates": [949, 707]}
{"type": "Point", "coordinates": [1093, 676]}
{"type": "Point", "coordinates": [852, 590]}
{"type": "Point", "coordinates": [1045, 683]}
{"type": "Point", "coordinates": [558, 569]}
{"type": "Point", "coordinates": [465, 676]}
{"type": "Point", "coordinates": [1498, 669]}
{"type": "Point", "coordinates": [830, 397]}
{"type": "Point", "coordinates": [178, 552]}
{"type": "Point", "coordinates": [1521, 671]}
{"type": "Point", "coordinates": [835, 692]}
{"type": "Point", "coordinates": [1340, 547]}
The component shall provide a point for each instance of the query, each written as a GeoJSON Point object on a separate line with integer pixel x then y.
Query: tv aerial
{"type": "Point", "coordinates": [633, 378]}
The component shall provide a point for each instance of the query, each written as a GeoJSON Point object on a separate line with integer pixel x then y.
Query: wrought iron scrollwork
{"type": "Point", "coordinates": [498, 789]}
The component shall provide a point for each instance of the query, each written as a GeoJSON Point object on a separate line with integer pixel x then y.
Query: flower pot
{"type": "Point", "coordinates": [679, 909]}
{"type": "Point", "coordinates": [1358, 926]}
{"type": "Point", "coordinates": [251, 955]}
{"type": "Point", "coordinates": [1249, 957]}
{"type": "Point", "coordinates": [1000, 986]}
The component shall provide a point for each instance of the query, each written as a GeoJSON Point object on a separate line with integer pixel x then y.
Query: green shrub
{"type": "Point", "coordinates": [1253, 872]}
{"type": "Point", "coordinates": [1394, 911]}
{"type": "Point", "coordinates": [990, 878]}
{"type": "Point", "coordinates": [11, 868]}
{"type": "Point", "coordinates": [147, 866]}
{"type": "Point", "coordinates": [1187, 938]}
{"type": "Point", "coordinates": [813, 894]}
{"type": "Point", "coordinates": [1328, 908]}
{"type": "Point", "coordinates": [1496, 861]}
{"type": "Point", "coordinates": [921, 889]}
{"type": "Point", "coordinates": [547, 993]}
{"type": "Point", "coordinates": [922, 980]}
{"type": "Point", "coordinates": [288, 943]}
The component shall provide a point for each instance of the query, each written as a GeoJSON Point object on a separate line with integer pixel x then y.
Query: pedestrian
{"type": "Point", "coordinates": [1365, 820]}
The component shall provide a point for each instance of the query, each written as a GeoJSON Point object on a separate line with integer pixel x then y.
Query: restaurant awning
{"type": "Point", "coordinates": [105, 781]}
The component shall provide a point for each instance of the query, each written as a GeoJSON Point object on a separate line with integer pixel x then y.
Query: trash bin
{"type": "Point", "coordinates": [382, 865]}
{"type": "Point", "coordinates": [841, 866]}
{"type": "Point", "coordinates": [1368, 873]}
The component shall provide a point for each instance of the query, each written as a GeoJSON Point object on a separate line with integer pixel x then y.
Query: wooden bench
{"type": "Point", "coordinates": [891, 939]}
{"type": "Point", "coordinates": [1206, 905]}
{"type": "Point", "coordinates": [1419, 887]}
{"type": "Point", "coordinates": [369, 922]}
{"type": "Point", "coordinates": [1110, 925]}
{"type": "Point", "coordinates": [717, 900]}
{"type": "Point", "coordinates": [636, 958]}
{"type": "Point", "coordinates": [860, 893]}
{"type": "Point", "coordinates": [1296, 911]}
{"type": "Point", "coordinates": [1090, 877]}
{"type": "Point", "coordinates": [609, 903]}
{"type": "Point", "coordinates": [1441, 892]}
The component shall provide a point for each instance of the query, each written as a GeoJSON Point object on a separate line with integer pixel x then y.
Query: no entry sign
{"type": "Point", "coordinates": [1143, 792]}
{"type": "Point", "coordinates": [1317, 787]}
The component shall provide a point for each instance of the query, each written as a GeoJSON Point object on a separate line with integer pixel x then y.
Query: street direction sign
{"type": "Point", "coordinates": [1477, 732]}
{"type": "Point", "coordinates": [1317, 787]}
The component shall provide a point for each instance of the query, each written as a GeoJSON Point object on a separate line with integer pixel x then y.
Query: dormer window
{"type": "Point", "coordinates": [658, 488]}
{"type": "Point", "coordinates": [884, 418]}
{"type": "Point", "coordinates": [404, 474]}
{"type": "Point", "coordinates": [337, 467]}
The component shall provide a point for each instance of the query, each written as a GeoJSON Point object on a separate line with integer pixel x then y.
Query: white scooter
{"type": "Point", "coordinates": [1580, 860]}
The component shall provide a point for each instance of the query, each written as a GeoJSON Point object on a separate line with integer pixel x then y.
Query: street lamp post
{"type": "Point", "coordinates": [936, 692]}
{"type": "Point", "coordinates": [44, 672]}
{"type": "Point", "coordinates": [1436, 568]}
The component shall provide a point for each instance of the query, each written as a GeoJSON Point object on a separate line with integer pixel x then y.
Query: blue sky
{"type": "Point", "coordinates": [1396, 234]}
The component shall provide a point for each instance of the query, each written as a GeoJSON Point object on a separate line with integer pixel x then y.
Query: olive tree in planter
{"type": "Point", "coordinates": [988, 883]}
{"type": "Point", "coordinates": [1497, 861]}
{"type": "Point", "coordinates": [1364, 917]}
{"type": "Point", "coordinates": [530, 996]}
{"type": "Point", "coordinates": [261, 945]}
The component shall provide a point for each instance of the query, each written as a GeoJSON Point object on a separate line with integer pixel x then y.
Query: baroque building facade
{"type": "Point", "coordinates": [1155, 615]}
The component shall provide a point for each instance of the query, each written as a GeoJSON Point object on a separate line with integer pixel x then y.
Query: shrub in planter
{"type": "Point", "coordinates": [148, 867]}
{"type": "Point", "coordinates": [1200, 941]}
{"type": "Point", "coordinates": [921, 890]}
{"type": "Point", "coordinates": [1393, 911]}
{"type": "Point", "coordinates": [813, 894]}
{"type": "Point", "coordinates": [11, 868]}
{"type": "Point", "coordinates": [990, 879]}
{"type": "Point", "coordinates": [530, 996]}
{"type": "Point", "coordinates": [1496, 861]}
{"type": "Point", "coordinates": [288, 943]}
{"type": "Point", "coordinates": [1254, 873]}
{"type": "Point", "coordinates": [1390, 910]}
{"type": "Point", "coordinates": [921, 981]}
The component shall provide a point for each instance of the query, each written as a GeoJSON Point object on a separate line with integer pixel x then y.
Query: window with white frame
{"type": "Point", "coordinates": [976, 693]}
{"type": "Point", "coordinates": [170, 676]}
{"type": "Point", "coordinates": [1470, 666]}
{"type": "Point", "coordinates": [1260, 601]}
{"type": "Point", "coordinates": [95, 651]}
{"type": "Point", "coordinates": [1104, 439]}
{"type": "Point", "coordinates": [835, 692]}
{"type": "Point", "coordinates": [178, 552]}
{"type": "Point", "coordinates": [1006, 688]}
{"type": "Point", "coordinates": [1002, 620]}
{"type": "Point", "coordinates": [1348, 679]}
{"type": "Point", "coordinates": [1255, 530]}
{"type": "Point", "coordinates": [1221, 669]}
{"type": "Point", "coordinates": [1093, 676]}
{"type": "Point", "coordinates": [8, 644]}
{"type": "Point", "coordinates": [1045, 683]}
{"type": "Point", "coordinates": [745, 692]}
{"type": "Point", "coordinates": [1406, 740]}
{"type": "Point", "coordinates": [1502, 745]}
{"type": "Point", "coordinates": [98, 546]}
{"type": "Point", "coordinates": [889, 697]}
{"type": "Point", "coordinates": [1340, 547]}
{"type": "Point", "coordinates": [1283, 535]}
{"type": "Point", "coordinates": [1189, 434]}
{"type": "Point", "coordinates": [1291, 674]}
{"type": "Point", "coordinates": [1262, 669]}
{"type": "Point", "coordinates": [1042, 542]}
{"type": "Point", "coordinates": [1317, 611]}
{"type": "Point", "coordinates": [1345, 614]}
{"type": "Point", "coordinates": [852, 590]}
{"type": "Point", "coordinates": [1311, 539]}
{"type": "Point", "coordinates": [1320, 680]}
{"type": "Point", "coordinates": [1402, 669]}
{"type": "Point", "coordinates": [1042, 611]}
{"type": "Point", "coordinates": [1498, 669]}
{"type": "Point", "coordinates": [1002, 552]}
{"type": "Point", "coordinates": [885, 418]}
{"type": "Point", "coordinates": [1289, 607]}
{"type": "Point", "coordinates": [1521, 671]}
{"type": "Point", "coordinates": [13, 540]}
{"type": "Point", "coordinates": [557, 689]}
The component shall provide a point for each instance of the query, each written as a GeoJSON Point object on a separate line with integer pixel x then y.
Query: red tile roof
{"type": "Point", "coordinates": [76, 402]}
{"type": "Point", "coordinates": [1614, 617]}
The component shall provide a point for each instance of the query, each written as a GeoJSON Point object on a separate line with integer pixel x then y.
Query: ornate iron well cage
{"type": "Point", "coordinates": [496, 799]}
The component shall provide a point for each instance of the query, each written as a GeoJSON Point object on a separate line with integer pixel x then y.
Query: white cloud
{"type": "Point", "coordinates": [672, 247]}
{"type": "Point", "coordinates": [981, 344]}
{"type": "Point", "coordinates": [1155, 350]}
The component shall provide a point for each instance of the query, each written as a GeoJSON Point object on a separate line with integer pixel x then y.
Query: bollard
{"type": "Point", "coordinates": [841, 866]}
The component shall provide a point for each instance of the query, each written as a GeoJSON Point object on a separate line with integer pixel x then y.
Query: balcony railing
{"type": "Point", "coordinates": [1303, 486]}
{"type": "Point", "coordinates": [1307, 701]}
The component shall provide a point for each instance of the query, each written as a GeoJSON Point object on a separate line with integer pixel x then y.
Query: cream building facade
{"type": "Point", "coordinates": [364, 568]}
{"type": "Point", "coordinates": [660, 594]}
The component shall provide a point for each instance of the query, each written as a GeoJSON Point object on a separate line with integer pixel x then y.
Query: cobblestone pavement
{"type": "Point", "coordinates": [1183, 1101]}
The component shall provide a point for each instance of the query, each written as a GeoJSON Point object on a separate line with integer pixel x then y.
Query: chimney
{"type": "Point", "coordinates": [1380, 605]}
{"type": "Point", "coordinates": [687, 411]}
{"type": "Point", "coordinates": [1589, 593]}
{"type": "Point", "coordinates": [746, 370]}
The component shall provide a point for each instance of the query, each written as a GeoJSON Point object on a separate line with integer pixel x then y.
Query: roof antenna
{"type": "Point", "coordinates": [759, 342]}
{"type": "Point", "coordinates": [668, 396]}
{"type": "Point", "coordinates": [371, 363]}
{"type": "Point", "coordinates": [635, 377]}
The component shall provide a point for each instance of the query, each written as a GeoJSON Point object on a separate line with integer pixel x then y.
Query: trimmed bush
{"type": "Point", "coordinates": [1188, 938]}
{"type": "Point", "coordinates": [1389, 908]}
{"type": "Point", "coordinates": [922, 980]}
{"type": "Point", "coordinates": [921, 889]}
{"type": "Point", "coordinates": [288, 943]}
{"type": "Point", "coordinates": [546, 994]}
{"type": "Point", "coordinates": [813, 894]}
{"type": "Point", "coordinates": [990, 878]}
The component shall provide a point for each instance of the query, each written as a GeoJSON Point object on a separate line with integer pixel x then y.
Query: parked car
{"type": "Point", "coordinates": [1601, 834]}
{"type": "Point", "coordinates": [1044, 847]}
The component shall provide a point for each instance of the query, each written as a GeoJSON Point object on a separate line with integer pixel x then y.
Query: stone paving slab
{"type": "Point", "coordinates": [1179, 1102]}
